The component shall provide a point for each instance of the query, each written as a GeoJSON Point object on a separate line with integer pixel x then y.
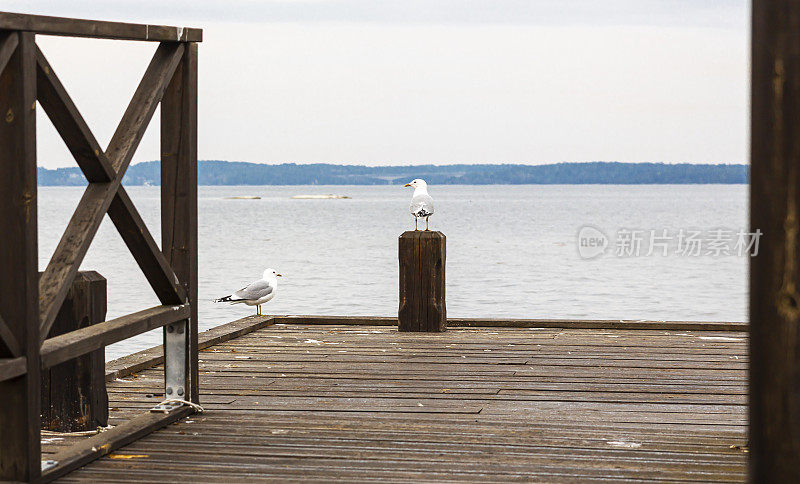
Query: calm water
{"type": "Point", "coordinates": [511, 251]}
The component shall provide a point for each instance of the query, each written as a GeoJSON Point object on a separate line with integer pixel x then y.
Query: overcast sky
{"type": "Point", "coordinates": [430, 81]}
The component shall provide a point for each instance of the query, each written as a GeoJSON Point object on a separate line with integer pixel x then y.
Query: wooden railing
{"type": "Point", "coordinates": [29, 304]}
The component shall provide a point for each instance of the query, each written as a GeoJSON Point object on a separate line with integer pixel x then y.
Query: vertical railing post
{"type": "Point", "coordinates": [20, 453]}
{"type": "Point", "coordinates": [775, 272]}
{"type": "Point", "coordinates": [179, 219]}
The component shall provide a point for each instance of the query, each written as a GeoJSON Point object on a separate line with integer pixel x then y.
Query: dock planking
{"type": "Point", "coordinates": [322, 402]}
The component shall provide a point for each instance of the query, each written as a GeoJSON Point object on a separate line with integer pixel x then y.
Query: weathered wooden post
{"type": "Point", "coordinates": [775, 271]}
{"type": "Point", "coordinates": [74, 396]}
{"type": "Point", "coordinates": [179, 221]}
{"type": "Point", "coordinates": [422, 301]}
{"type": "Point", "coordinates": [20, 446]}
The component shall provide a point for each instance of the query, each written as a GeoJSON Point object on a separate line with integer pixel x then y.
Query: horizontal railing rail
{"type": "Point", "coordinates": [12, 367]}
{"type": "Point", "coordinates": [97, 29]}
{"type": "Point", "coordinates": [80, 342]}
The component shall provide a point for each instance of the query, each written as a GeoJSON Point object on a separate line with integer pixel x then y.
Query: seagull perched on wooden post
{"type": "Point", "coordinates": [256, 293]}
{"type": "Point", "coordinates": [421, 202]}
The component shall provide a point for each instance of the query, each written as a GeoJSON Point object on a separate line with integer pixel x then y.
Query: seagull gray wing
{"type": "Point", "coordinates": [422, 205]}
{"type": "Point", "coordinates": [254, 290]}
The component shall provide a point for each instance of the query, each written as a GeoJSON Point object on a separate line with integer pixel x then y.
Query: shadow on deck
{"type": "Point", "coordinates": [295, 401]}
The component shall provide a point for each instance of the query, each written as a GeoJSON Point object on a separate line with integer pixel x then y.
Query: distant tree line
{"type": "Point", "coordinates": [214, 172]}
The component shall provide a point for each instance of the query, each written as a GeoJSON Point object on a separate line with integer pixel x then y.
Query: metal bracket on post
{"type": "Point", "coordinates": [175, 371]}
{"type": "Point", "coordinates": [166, 407]}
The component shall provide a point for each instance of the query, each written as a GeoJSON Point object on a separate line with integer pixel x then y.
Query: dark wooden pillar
{"type": "Point", "coordinates": [19, 274]}
{"type": "Point", "coordinates": [179, 212]}
{"type": "Point", "coordinates": [74, 396]}
{"type": "Point", "coordinates": [422, 301]}
{"type": "Point", "coordinates": [775, 271]}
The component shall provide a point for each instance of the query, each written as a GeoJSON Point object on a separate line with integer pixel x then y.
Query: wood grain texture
{"type": "Point", "coordinates": [179, 195]}
{"type": "Point", "coordinates": [9, 339]}
{"type": "Point", "coordinates": [89, 449]}
{"type": "Point", "coordinates": [150, 357]}
{"type": "Point", "coordinates": [74, 394]}
{"type": "Point", "coordinates": [775, 271]}
{"type": "Point", "coordinates": [327, 402]}
{"type": "Point", "coordinates": [99, 29]}
{"type": "Point", "coordinates": [8, 43]}
{"type": "Point", "coordinates": [142, 360]}
{"type": "Point", "coordinates": [13, 367]}
{"type": "Point", "coordinates": [19, 298]}
{"type": "Point", "coordinates": [525, 323]}
{"type": "Point", "coordinates": [421, 255]}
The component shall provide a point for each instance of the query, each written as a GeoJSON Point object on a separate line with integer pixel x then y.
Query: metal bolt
{"type": "Point", "coordinates": [170, 329]}
{"type": "Point", "coordinates": [180, 329]}
{"type": "Point", "coordinates": [180, 391]}
{"type": "Point", "coordinates": [169, 390]}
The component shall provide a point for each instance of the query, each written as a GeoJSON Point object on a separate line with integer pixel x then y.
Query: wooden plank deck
{"type": "Point", "coordinates": [322, 402]}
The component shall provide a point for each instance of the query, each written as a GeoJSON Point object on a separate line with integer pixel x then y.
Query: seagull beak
{"type": "Point", "coordinates": [407, 185]}
{"type": "Point", "coordinates": [279, 275]}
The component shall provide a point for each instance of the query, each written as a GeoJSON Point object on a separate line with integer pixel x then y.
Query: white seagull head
{"type": "Point", "coordinates": [417, 183]}
{"type": "Point", "coordinates": [271, 274]}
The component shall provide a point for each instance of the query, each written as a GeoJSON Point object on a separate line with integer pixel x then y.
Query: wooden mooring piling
{"type": "Point", "coordinates": [74, 396]}
{"type": "Point", "coordinates": [422, 281]}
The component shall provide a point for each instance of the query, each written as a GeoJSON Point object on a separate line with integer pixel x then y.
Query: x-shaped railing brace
{"type": "Point", "coordinates": [104, 170]}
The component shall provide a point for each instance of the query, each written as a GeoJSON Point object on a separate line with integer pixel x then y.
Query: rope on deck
{"type": "Point", "coordinates": [197, 407]}
{"type": "Point", "coordinates": [78, 433]}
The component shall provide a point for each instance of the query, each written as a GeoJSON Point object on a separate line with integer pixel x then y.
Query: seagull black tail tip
{"type": "Point", "coordinates": [223, 299]}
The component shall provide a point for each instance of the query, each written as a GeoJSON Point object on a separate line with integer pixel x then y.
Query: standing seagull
{"type": "Point", "coordinates": [421, 202]}
{"type": "Point", "coordinates": [256, 293]}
